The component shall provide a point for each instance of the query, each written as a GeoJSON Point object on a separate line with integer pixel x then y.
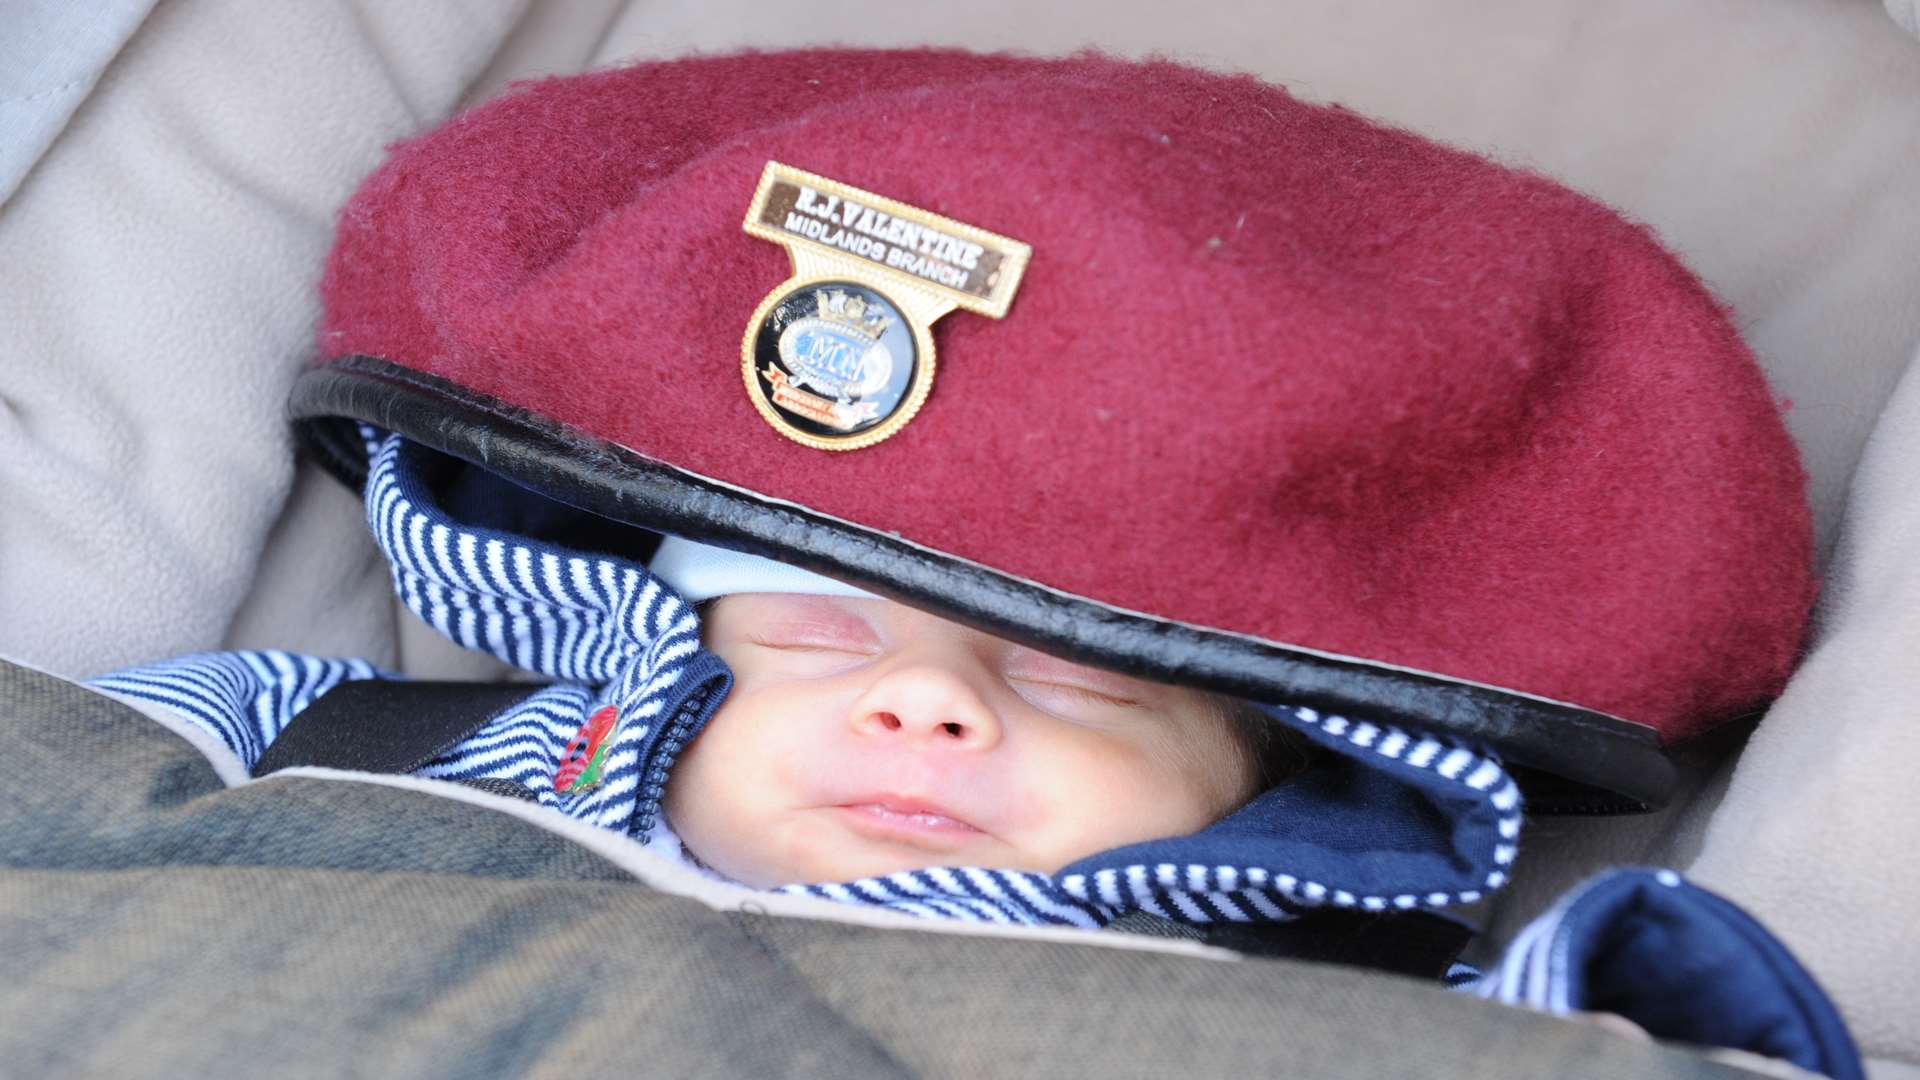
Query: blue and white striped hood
{"type": "Point", "coordinates": [1387, 820]}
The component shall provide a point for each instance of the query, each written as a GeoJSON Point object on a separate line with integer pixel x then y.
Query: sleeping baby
{"type": "Point", "coordinates": [863, 737]}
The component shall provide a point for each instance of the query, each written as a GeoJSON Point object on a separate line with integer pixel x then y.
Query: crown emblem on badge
{"type": "Point", "coordinates": [850, 312]}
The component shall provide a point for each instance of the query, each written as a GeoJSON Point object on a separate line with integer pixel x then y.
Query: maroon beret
{"type": "Point", "coordinates": [1288, 404]}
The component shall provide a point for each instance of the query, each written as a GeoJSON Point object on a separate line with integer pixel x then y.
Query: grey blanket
{"type": "Point", "coordinates": [156, 922]}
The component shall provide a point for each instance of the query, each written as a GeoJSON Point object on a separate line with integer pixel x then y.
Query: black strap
{"type": "Point", "coordinates": [1414, 943]}
{"type": "Point", "coordinates": [388, 725]}
{"type": "Point", "coordinates": [1417, 943]}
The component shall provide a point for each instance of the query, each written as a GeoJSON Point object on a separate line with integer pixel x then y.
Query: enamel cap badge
{"type": "Point", "coordinates": [840, 355]}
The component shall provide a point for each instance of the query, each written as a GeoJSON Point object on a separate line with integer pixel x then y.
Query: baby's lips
{"type": "Point", "coordinates": [911, 813]}
{"type": "Point", "coordinates": [915, 813]}
{"type": "Point", "coordinates": [897, 826]}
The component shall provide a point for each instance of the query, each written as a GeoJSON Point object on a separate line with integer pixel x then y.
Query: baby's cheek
{"type": "Point", "coordinates": [1157, 797]}
{"type": "Point", "coordinates": [791, 772]}
{"type": "Point", "coordinates": [1203, 759]}
{"type": "Point", "coordinates": [804, 853]}
{"type": "Point", "coordinates": [787, 849]}
{"type": "Point", "coordinates": [1078, 803]}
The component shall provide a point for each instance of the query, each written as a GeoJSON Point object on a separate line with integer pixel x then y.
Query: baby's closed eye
{"type": "Point", "coordinates": [801, 637]}
{"type": "Point", "coordinates": [811, 651]}
{"type": "Point", "coordinates": [1033, 672]}
{"type": "Point", "coordinates": [812, 641]}
{"type": "Point", "coordinates": [1069, 697]}
{"type": "Point", "coordinates": [802, 624]}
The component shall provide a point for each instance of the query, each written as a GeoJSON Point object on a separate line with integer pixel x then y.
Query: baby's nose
{"type": "Point", "coordinates": [928, 705]}
{"type": "Point", "coordinates": [951, 729]}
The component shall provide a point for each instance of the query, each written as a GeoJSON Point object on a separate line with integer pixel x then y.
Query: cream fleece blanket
{"type": "Point", "coordinates": [156, 296]}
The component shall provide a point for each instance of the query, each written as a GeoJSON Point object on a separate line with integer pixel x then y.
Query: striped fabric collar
{"type": "Point", "coordinates": [613, 636]}
{"type": "Point", "coordinates": [1387, 820]}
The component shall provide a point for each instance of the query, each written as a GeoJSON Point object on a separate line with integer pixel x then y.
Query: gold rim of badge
{"type": "Point", "coordinates": [918, 387]}
{"type": "Point", "coordinates": [825, 378]}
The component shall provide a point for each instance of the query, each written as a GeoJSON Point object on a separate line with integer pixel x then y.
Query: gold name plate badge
{"type": "Point", "coordinates": [840, 355]}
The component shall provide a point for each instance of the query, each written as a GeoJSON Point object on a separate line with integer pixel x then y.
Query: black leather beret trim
{"type": "Point", "coordinates": [1570, 760]}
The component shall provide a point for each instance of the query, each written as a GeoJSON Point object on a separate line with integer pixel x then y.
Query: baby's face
{"type": "Point", "coordinates": [863, 737]}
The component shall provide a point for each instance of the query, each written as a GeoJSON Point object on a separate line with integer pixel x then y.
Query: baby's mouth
{"type": "Point", "coordinates": [908, 821]}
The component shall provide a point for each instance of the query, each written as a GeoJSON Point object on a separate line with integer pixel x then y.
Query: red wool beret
{"type": "Point", "coordinates": [1288, 403]}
